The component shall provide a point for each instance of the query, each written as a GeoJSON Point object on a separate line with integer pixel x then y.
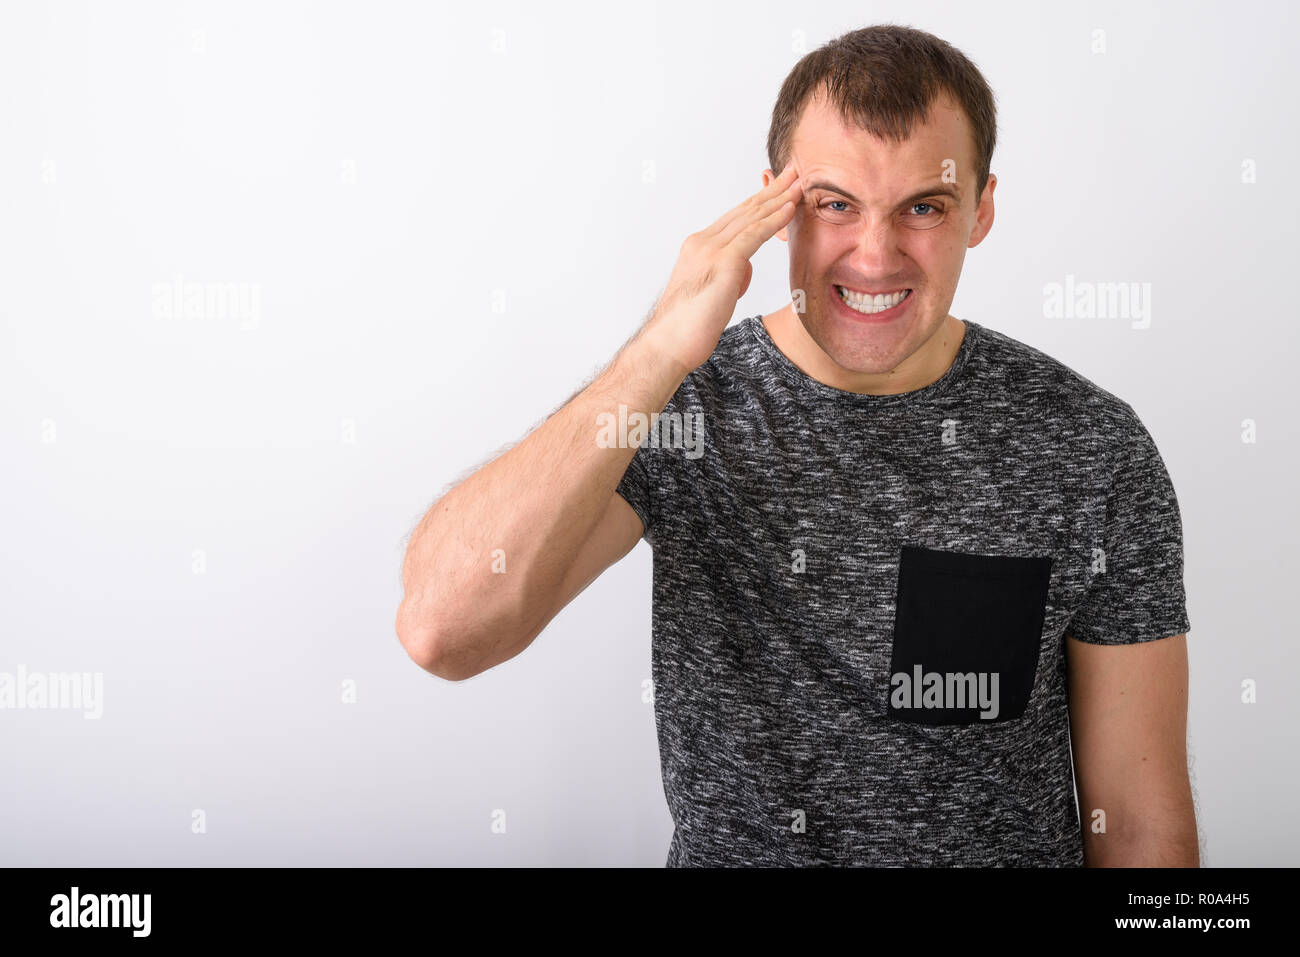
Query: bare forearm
{"type": "Point", "coordinates": [1166, 838]}
{"type": "Point", "coordinates": [535, 507]}
{"type": "Point", "coordinates": [484, 567]}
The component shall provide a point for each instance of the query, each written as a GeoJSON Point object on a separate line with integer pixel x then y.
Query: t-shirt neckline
{"type": "Point", "coordinates": [807, 383]}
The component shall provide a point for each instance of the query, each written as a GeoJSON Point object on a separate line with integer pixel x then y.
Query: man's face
{"type": "Point", "coordinates": [874, 218]}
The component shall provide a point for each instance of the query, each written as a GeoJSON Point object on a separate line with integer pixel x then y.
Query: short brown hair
{"type": "Point", "coordinates": [883, 78]}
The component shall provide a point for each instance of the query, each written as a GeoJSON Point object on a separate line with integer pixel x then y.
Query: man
{"type": "Point", "coordinates": [903, 564]}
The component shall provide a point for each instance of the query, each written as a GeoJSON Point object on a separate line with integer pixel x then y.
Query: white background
{"type": "Point", "coordinates": [448, 214]}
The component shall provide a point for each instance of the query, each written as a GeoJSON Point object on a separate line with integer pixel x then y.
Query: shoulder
{"type": "Point", "coordinates": [1041, 387]}
{"type": "Point", "coordinates": [733, 374]}
{"type": "Point", "coordinates": [738, 349]}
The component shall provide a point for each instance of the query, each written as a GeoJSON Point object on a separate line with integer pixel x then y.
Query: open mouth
{"type": "Point", "coordinates": [872, 305]}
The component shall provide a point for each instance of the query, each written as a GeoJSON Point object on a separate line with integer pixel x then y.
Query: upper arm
{"type": "Point", "coordinates": [615, 534]}
{"type": "Point", "coordinates": [1128, 729]}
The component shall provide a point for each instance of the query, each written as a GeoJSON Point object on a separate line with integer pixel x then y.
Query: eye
{"type": "Point", "coordinates": [924, 215]}
{"type": "Point", "coordinates": [837, 212]}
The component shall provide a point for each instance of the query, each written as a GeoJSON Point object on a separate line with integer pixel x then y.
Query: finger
{"type": "Point", "coordinates": [791, 194]}
{"type": "Point", "coordinates": [774, 188]}
{"type": "Point", "coordinates": [747, 241]}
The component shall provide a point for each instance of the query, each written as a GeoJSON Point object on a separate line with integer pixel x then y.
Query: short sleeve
{"type": "Point", "coordinates": [1136, 590]}
{"type": "Point", "coordinates": [636, 486]}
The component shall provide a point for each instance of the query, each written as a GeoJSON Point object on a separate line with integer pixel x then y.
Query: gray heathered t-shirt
{"type": "Point", "coordinates": [832, 570]}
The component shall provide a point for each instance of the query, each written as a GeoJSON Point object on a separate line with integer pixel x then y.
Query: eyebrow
{"type": "Point", "coordinates": [938, 189]}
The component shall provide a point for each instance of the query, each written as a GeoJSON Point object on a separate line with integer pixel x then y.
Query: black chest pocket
{"type": "Point", "coordinates": [967, 630]}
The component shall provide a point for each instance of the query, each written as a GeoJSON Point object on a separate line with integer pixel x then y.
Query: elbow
{"type": "Point", "coordinates": [430, 647]}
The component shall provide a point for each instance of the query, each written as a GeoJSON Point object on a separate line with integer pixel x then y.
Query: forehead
{"type": "Point", "coordinates": [823, 142]}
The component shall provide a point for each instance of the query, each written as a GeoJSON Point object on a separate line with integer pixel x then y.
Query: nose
{"type": "Point", "coordinates": [877, 251]}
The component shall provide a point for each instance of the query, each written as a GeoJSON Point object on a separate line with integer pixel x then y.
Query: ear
{"type": "Point", "coordinates": [983, 214]}
{"type": "Point", "coordinates": [768, 177]}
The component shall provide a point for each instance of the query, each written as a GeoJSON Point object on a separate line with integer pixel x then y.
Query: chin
{"type": "Point", "coordinates": [862, 347]}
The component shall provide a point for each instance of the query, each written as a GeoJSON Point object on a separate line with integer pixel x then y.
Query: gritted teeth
{"type": "Point", "coordinates": [865, 302]}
